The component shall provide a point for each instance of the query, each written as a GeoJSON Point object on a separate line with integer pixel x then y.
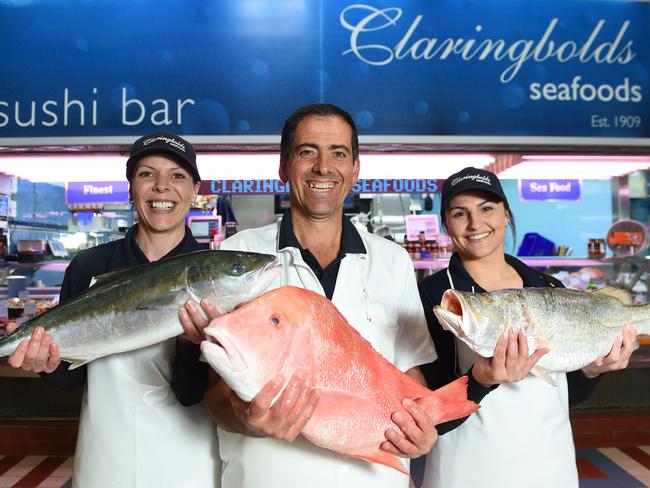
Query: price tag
{"type": "Point", "coordinates": [21, 321]}
{"type": "Point", "coordinates": [23, 295]}
{"type": "Point", "coordinates": [30, 310]}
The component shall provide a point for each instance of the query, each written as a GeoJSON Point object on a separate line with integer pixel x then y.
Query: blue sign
{"type": "Point", "coordinates": [492, 70]}
{"type": "Point", "coordinates": [96, 192]}
{"type": "Point", "coordinates": [545, 190]}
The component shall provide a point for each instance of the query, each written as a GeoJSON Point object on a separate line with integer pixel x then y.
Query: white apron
{"type": "Point", "coordinates": [134, 433]}
{"type": "Point", "coordinates": [246, 460]}
{"type": "Point", "coordinates": [521, 436]}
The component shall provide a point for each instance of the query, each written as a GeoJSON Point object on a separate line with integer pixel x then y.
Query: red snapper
{"type": "Point", "coordinates": [291, 328]}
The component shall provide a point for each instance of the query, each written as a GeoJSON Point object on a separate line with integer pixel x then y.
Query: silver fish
{"type": "Point", "coordinates": [138, 306]}
{"type": "Point", "coordinates": [577, 327]}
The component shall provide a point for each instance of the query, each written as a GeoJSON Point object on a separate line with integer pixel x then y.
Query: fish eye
{"type": "Point", "coordinates": [275, 321]}
{"type": "Point", "coordinates": [237, 268]}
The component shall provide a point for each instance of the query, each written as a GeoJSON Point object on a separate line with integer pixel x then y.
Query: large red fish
{"type": "Point", "coordinates": [291, 328]}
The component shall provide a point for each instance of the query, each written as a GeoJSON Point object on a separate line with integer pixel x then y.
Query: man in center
{"type": "Point", "coordinates": [370, 280]}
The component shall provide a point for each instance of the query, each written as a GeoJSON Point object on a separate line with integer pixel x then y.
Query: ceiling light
{"type": "Point", "coordinates": [231, 166]}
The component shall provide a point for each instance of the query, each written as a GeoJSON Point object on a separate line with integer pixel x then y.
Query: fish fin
{"type": "Point", "coordinates": [333, 410]}
{"type": "Point", "coordinates": [623, 296]}
{"type": "Point", "coordinates": [111, 276]}
{"type": "Point", "coordinates": [172, 299]}
{"type": "Point", "coordinates": [449, 402]}
{"type": "Point", "coordinates": [382, 457]}
{"type": "Point", "coordinates": [76, 363]}
{"type": "Point", "coordinates": [543, 374]}
{"type": "Point", "coordinates": [331, 403]}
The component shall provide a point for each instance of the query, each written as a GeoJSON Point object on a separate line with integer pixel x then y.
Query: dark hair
{"type": "Point", "coordinates": [315, 110]}
{"type": "Point", "coordinates": [511, 217]}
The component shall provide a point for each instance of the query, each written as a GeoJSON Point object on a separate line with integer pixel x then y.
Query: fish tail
{"type": "Point", "coordinates": [449, 402]}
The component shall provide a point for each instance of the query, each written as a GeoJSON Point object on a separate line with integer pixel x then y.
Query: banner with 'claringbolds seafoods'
{"type": "Point", "coordinates": [495, 71]}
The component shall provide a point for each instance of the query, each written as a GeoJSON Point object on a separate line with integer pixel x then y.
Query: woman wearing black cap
{"type": "Point", "coordinates": [521, 435]}
{"type": "Point", "coordinates": [133, 432]}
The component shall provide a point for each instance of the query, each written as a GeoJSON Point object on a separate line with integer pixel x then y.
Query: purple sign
{"type": "Point", "coordinates": [545, 190]}
{"type": "Point", "coordinates": [97, 192]}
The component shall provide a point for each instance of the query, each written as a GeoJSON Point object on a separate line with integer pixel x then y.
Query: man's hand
{"type": "Point", "coordinates": [283, 419]}
{"type": "Point", "coordinates": [195, 318]}
{"type": "Point", "coordinates": [510, 362]}
{"type": "Point", "coordinates": [418, 433]}
{"type": "Point", "coordinates": [618, 356]}
{"type": "Point", "coordinates": [37, 354]}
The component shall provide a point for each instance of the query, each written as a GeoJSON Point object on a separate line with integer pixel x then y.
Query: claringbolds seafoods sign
{"type": "Point", "coordinates": [408, 71]}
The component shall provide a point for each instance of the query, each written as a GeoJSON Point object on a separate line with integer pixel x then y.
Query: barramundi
{"type": "Point", "coordinates": [138, 306]}
{"type": "Point", "coordinates": [578, 327]}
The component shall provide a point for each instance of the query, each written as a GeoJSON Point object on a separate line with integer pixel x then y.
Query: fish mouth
{"type": "Point", "coordinates": [450, 313]}
{"type": "Point", "coordinates": [223, 350]}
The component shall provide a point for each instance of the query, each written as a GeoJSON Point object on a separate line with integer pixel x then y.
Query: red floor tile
{"type": "Point", "coordinates": [586, 469]}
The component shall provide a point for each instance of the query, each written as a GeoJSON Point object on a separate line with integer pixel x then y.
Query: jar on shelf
{"type": "Point", "coordinates": [596, 248]}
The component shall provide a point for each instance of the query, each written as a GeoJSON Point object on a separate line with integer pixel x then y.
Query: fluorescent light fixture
{"type": "Point", "coordinates": [229, 166]}
{"type": "Point", "coordinates": [418, 166]}
{"type": "Point", "coordinates": [575, 167]}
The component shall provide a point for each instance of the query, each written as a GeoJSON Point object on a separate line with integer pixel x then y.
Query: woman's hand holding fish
{"type": "Point", "coordinates": [286, 417]}
{"type": "Point", "coordinates": [510, 362]}
{"type": "Point", "coordinates": [618, 357]}
{"type": "Point", "coordinates": [37, 354]}
{"type": "Point", "coordinates": [195, 318]}
{"type": "Point", "coordinates": [418, 433]}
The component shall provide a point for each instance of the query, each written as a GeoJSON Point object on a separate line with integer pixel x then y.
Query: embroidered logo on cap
{"type": "Point", "coordinates": [167, 140]}
{"type": "Point", "coordinates": [476, 178]}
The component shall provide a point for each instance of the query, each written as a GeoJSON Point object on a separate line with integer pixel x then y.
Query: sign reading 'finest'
{"type": "Point", "coordinates": [97, 192]}
{"type": "Point", "coordinates": [491, 68]}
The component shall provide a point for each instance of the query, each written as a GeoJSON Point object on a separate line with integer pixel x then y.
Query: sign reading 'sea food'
{"type": "Point", "coordinates": [488, 71]}
{"type": "Point", "coordinates": [549, 190]}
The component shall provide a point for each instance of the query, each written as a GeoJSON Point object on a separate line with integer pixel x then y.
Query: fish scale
{"type": "Point", "coordinates": [578, 327]}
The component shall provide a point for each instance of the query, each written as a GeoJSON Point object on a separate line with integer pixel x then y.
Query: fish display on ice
{"type": "Point", "coordinates": [138, 306]}
{"type": "Point", "coordinates": [291, 328]}
{"type": "Point", "coordinates": [578, 327]}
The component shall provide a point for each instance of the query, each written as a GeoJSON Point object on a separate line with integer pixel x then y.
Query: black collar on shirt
{"type": "Point", "coordinates": [464, 282]}
{"type": "Point", "coordinates": [133, 252]}
{"type": "Point", "coordinates": [351, 243]}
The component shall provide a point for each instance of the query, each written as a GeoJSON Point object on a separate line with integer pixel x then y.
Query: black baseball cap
{"type": "Point", "coordinates": [470, 179]}
{"type": "Point", "coordinates": [163, 142]}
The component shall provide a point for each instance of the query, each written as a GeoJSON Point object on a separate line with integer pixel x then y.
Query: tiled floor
{"type": "Point", "coordinates": [624, 467]}
{"type": "Point", "coordinates": [620, 467]}
{"type": "Point", "coordinates": [35, 472]}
